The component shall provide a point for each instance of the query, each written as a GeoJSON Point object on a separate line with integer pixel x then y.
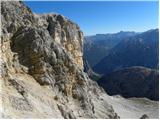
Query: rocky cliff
{"type": "Point", "coordinates": [42, 69]}
{"type": "Point", "coordinates": [64, 32]}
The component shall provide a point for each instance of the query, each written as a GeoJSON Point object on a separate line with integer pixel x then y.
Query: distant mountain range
{"type": "Point", "coordinates": [138, 50]}
{"type": "Point", "coordinates": [98, 46]}
{"type": "Point", "coordinates": [132, 82]}
{"type": "Point", "coordinates": [127, 63]}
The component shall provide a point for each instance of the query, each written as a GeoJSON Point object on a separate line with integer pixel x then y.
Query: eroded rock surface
{"type": "Point", "coordinates": [64, 32]}
{"type": "Point", "coordinates": [41, 68]}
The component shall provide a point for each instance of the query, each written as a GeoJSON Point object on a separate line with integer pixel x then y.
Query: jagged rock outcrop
{"type": "Point", "coordinates": [64, 32]}
{"type": "Point", "coordinates": [42, 69]}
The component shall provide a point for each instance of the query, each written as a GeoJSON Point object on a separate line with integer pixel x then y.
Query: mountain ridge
{"type": "Point", "coordinates": [142, 46]}
{"type": "Point", "coordinates": [103, 43]}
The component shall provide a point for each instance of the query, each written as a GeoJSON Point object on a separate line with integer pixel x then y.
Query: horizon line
{"type": "Point", "coordinates": [121, 31]}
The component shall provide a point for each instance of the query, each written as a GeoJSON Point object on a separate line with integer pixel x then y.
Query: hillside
{"type": "Point", "coordinates": [132, 82]}
{"type": "Point", "coordinates": [139, 50]}
{"type": "Point", "coordinates": [98, 46]}
{"type": "Point", "coordinates": [134, 107]}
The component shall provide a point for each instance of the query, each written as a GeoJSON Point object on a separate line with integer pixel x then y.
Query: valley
{"type": "Point", "coordinates": [50, 69]}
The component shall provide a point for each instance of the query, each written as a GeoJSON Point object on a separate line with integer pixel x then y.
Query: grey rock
{"type": "Point", "coordinates": [20, 104]}
{"type": "Point", "coordinates": [66, 114]}
{"type": "Point", "coordinates": [19, 86]}
{"type": "Point", "coordinates": [49, 61]}
{"type": "Point", "coordinates": [144, 117]}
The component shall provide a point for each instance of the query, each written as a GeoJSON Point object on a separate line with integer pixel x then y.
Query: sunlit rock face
{"type": "Point", "coordinates": [64, 32]}
{"type": "Point", "coordinates": [41, 68]}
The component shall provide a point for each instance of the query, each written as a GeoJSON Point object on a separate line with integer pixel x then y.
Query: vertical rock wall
{"type": "Point", "coordinates": [64, 32]}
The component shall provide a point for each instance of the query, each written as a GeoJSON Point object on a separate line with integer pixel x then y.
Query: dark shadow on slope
{"type": "Point", "coordinates": [132, 82]}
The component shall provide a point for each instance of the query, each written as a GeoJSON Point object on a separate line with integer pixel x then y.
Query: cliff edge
{"type": "Point", "coordinates": [42, 68]}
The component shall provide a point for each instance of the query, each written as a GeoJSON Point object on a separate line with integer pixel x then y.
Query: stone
{"type": "Point", "coordinates": [20, 104]}
{"type": "Point", "coordinates": [18, 86]}
{"type": "Point", "coordinates": [144, 117]}
{"type": "Point", "coordinates": [42, 58]}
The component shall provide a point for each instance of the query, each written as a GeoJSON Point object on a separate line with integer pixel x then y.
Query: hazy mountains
{"type": "Point", "coordinates": [98, 46]}
{"type": "Point", "coordinates": [128, 63]}
{"type": "Point", "coordinates": [139, 50]}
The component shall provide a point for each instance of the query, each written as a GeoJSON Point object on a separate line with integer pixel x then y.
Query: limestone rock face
{"type": "Point", "coordinates": [41, 68]}
{"type": "Point", "coordinates": [64, 32]}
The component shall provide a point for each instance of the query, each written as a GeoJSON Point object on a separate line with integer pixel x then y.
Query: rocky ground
{"type": "Point", "coordinates": [42, 69]}
{"type": "Point", "coordinates": [134, 107]}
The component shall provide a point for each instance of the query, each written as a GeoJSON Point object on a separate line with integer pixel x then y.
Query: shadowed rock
{"type": "Point", "coordinates": [132, 82]}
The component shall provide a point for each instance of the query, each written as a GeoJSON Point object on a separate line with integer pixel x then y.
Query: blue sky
{"type": "Point", "coordinates": [105, 16]}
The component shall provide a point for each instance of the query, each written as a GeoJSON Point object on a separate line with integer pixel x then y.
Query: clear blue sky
{"type": "Point", "coordinates": [104, 16]}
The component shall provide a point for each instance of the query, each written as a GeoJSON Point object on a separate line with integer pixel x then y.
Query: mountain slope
{"type": "Point", "coordinates": [139, 50]}
{"type": "Point", "coordinates": [132, 82]}
{"type": "Point", "coordinates": [98, 46]}
{"type": "Point", "coordinates": [90, 72]}
{"type": "Point", "coordinates": [42, 69]}
{"type": "Point", "coordinates": [134, 107]}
